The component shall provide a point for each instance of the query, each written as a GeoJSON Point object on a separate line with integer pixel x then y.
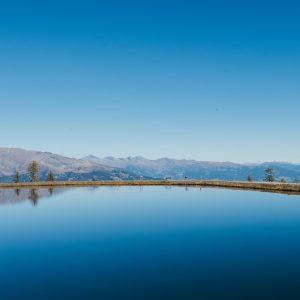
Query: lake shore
{"type": "Point", "coordinates": [260, 186]}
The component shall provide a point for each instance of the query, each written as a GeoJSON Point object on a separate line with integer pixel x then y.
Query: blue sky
{"type": "Point", "coordinates": [209, 80]}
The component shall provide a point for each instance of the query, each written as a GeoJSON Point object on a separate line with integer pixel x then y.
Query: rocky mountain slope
{"type": "Point", "coordinates": [192, 169]}
{"type": "Point", "coordinates": [65, 168]}
{"type": "Point", "coordinates": [130, 168]}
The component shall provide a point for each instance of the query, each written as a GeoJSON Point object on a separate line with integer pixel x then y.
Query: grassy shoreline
{"type": "Point", "coordinates": [262, 186]}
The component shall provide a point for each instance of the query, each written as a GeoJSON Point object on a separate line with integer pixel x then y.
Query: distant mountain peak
{"type": "Point", "coordinates": [193, 169]}
{"type": "Point", "coordinates": [90, 157]}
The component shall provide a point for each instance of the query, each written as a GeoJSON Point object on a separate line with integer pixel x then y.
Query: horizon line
{"type": "Point", "coordinates": [158, 158]}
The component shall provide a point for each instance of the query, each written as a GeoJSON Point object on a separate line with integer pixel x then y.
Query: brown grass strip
{"type": "Point", "coordinates": [263, 186]}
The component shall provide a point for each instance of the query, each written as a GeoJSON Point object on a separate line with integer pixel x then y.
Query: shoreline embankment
{"type": "Point", "coordinates": [242, 185]}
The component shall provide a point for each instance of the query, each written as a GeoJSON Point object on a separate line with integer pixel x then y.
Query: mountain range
{"type": "Point", "coordinates": [132, 168]}
{"type": "Point", "coordinates": [192, 169]}
{"type": "Point", "coordinates": [64, 168]}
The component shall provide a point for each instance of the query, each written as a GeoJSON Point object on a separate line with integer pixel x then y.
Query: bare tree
{"type": "Point", "coordinates": [33, 171]}
{"type": "Point", "coordinates": [50, 177]}
{"type": "Point", "coordinates": [269, 176]}
{"type": "Point", "coordinates": [17, 177]}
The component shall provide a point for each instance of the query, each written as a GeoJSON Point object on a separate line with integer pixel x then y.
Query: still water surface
{"type": "Point", "coordinates": [149, 243]}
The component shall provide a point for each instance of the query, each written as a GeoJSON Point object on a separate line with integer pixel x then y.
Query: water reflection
{"type": "Point", "coordinates": [15, 196]}
{"type": "Point", "coordinates": [33, 196]}
{"type": "Point", "coordinates": [168, 187]}
{"type": "Point", "coordinates": [157, 244]}
{"type": "Point", "coordinates": [17, 191]}
{"type": "Point", "coordinates": [19, 195]}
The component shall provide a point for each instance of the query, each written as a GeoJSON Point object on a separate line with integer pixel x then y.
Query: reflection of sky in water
{"type": "Point", "coordinates": [152, 240]}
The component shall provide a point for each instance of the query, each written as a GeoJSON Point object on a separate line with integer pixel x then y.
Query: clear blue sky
{"type": "Point", "coordinates": [209, 80]}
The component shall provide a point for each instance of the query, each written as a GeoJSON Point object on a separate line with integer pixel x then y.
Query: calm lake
{"type": "Point", "coordinates": [148, 243]}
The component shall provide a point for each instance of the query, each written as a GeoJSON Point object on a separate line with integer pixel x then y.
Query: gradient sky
{"type": "Point", "coordinates": [209, 80]}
